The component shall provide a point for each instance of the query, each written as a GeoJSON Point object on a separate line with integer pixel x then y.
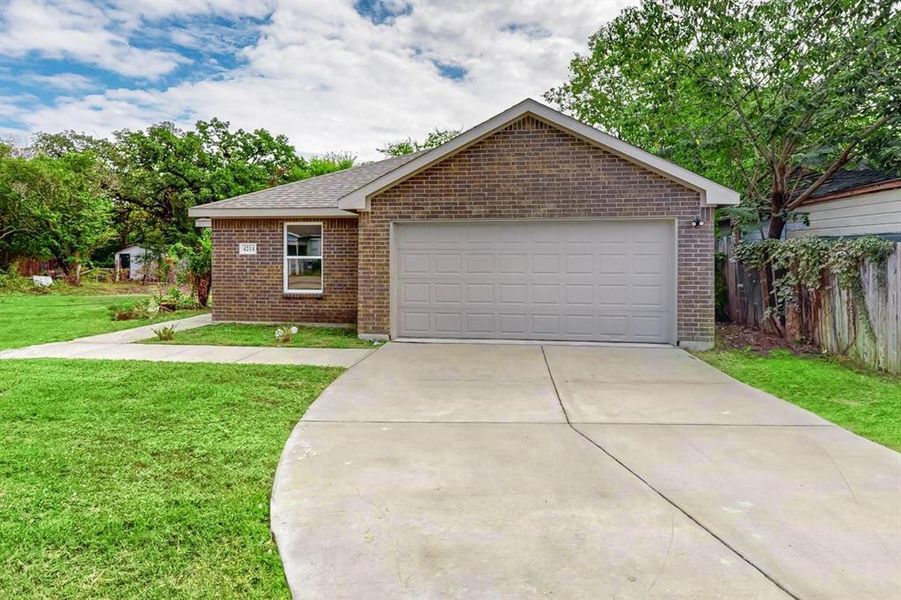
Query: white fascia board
{"type": "Point", "coordinates": [250, 213]}
{"type": "Point", "coordinates": [712, 193]}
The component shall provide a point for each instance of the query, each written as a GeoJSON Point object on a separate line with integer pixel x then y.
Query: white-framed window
{"type": "Point", "coordinates": [303, 258]}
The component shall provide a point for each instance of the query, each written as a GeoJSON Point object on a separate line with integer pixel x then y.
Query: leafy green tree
{"type": "Point", "coordinates": [155, 175]}
{"type": "Point", "coordinates": [53, 207]}
{"type": "Point", "coordinates": [199, 260]}
{"type": "Point", "coordinates": [751, 94]}
{"type": "Point", "coordinates": [409, 146]}
{"type": "Point", "coordinates": [164, 171]}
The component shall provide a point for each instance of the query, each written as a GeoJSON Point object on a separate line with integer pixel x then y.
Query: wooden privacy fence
{"type": "Point", "coordinates": [833, 318]}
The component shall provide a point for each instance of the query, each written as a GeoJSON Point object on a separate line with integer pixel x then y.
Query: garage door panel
{"type": "Point", "coordinates": [447, 323]}
{"type": "Point", "coordinates": [513, 293]}
{"type": "Point", "coordinates": [545, 294]}
{"type": "Point", "coordinates": [648, 327]}
{"type": "Point", "coordinates": [447, 293]}
{"type": "Point", "coordinates": [447, 263]}
{"type": "Point", "coordinates": [412, 293]}
{"type": "Point", "coordinates": [613, 295]}
{"type": "Point", "coordinates": [613, 264]}
{"type": "Point", "coordinates": [581, 326]}
{"type": "Point", "coordinates": [545, 263]}
{"type": "Point", "coordinates": [512, 263]}
{"type": "Point", "coordinates": [579, 280]}
{"type": "Point", "coordinates": [480, 293]}
{"type": "Point", "coordinates": [415, 322]}
{"type": "Point", "coordinates": [577, 263]}
{"type": "Point", "coordinates": [481, 235]}
{"type": "Point", "coordinates": [612, 326]}
{"type": "Point", "coordinates": [512, 324]}
{"type": "Point", "coordinates": [480, 263]}
{"type": "Point", "coordinates": [648, 295]}
{"type": "Point", "coordinates": [546, 324]}
{"type": "Point", "coordinates": [579, 295]}
{"type": "Point", "coordinates": [650, 264]}
{"type": "Point", "coordinates": [412, 264]}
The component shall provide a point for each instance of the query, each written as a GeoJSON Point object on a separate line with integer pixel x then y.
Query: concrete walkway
{"type": "Point", "coordinates": [119, 346]}
{"type": "Point", "coordinates": [451, 471]}
{"type": "Point", "coordinates": [145, 332]}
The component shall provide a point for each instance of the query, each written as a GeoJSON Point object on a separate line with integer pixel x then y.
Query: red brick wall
{"type": "Point", "coordinates": [532, 169]}
{"type": "Point", "coordinates": [250, 287]}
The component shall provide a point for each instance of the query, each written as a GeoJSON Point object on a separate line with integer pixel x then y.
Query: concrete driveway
{"type": "Point", "coordinates": [510, 471]}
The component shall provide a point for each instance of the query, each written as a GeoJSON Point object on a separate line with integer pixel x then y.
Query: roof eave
{"type": "Point", "coordinates": [267, 213]}
{"type": "Point", "coordinates": [882, 186]}
{"type": "Point", "coordinates": [712, 193]}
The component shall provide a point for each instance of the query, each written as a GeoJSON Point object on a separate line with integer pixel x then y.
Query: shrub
{"type": "Point", "coordinates": [284, 335]}
{"type": "Point", "coordinates": [165, 333]}
{"type": "Point", "coordinates": [174, 299]}
{"type": "Point", "coordinates": [11, 282]}
{"type": "Point", "coordinates": [142, 309]}
{"type": "Point", "coordinates": [198, 260]}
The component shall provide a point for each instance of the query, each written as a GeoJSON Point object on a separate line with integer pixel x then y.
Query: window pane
{"type": "Point", "coordinates": [304, 274]}
{"type": "Point", "coordinates": [304, 240]}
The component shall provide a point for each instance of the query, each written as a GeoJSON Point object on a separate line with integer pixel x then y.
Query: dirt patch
{"type": "Point", "coordinates": [738, 337]}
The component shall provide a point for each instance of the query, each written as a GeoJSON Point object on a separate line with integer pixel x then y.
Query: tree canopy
{"type": "Point", "coordinates": [54, 207]}
{"type": "Point", "coordinates": [142, 182]}
{"type": "Point", "coordinates": [408, 146]}
{"type": "Point", "coordinates": [751, 94]}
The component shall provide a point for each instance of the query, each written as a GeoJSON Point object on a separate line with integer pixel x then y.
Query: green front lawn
{"type": "Point", "coordinates": [867, 403]}
{"type": "Point", "coordinates": [143, 480]}
{"type": "Point", "coordinates": [27, 319]}
{"type": "Point", "coordinates": [236, 334]}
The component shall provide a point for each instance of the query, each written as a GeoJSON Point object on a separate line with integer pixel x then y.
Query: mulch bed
{"type": "Point", "coordinates": [738, 337]}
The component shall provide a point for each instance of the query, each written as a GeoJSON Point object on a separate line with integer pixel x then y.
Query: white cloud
{"type": "Point", "coordinates": [333, 80]}
{"type": "Point", "coordinates": [78, 30]}
{"type": "Point", "coordinates": [69, 82]}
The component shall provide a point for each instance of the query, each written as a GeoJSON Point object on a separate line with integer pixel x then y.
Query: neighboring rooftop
{"type": "Point", "coordinates": [848, 182]}
{"type": "Point", "coordinates": [321, 192]}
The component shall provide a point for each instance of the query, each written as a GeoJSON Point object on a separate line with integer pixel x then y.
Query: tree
{"type": "Point", "coordinates": [164, 171]}
{"type": "Point", "coordinates": [155, 175]}
{"type": "Point", "coordinates": [409, 146]}
{"type": "Point", "coordinates": [751, 94]}
{"type": "Point", "coordinates": [199, 259]}
{"type": "Point", "coordinates": [54, 207]}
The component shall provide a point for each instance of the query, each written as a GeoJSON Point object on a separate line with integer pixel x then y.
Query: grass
{"type": "Point", "coordinates": [27, 319]}
{"type": "Point", "coordinates": [867, 403]}
{"type": "Point", "coordinates": [15, 284]}
{"type": "Point", "coordinates": [234, 334]}
{"type": "Point", "coordinates": [154, 484]}
{"type": "Point", "coordinates": [109, 288]}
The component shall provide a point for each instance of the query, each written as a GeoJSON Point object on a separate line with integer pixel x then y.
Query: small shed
{"type": "Point", "coordinates": [130, 263]}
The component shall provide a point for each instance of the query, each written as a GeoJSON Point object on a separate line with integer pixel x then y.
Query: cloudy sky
{"type": "Point", "coordinates": [333, 75]}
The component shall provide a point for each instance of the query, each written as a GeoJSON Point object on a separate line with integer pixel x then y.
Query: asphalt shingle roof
{"type": "Point", "coordinates": [322, 191]}
{"type": "Point", "coordinates": [848, 179]}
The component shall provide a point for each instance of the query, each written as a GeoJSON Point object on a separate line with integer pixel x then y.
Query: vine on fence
{"type": "Point", "coordinates": [802, 264]}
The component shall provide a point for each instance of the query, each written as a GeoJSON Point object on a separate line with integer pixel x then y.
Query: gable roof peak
{"type": "Point", "coordinates": [712, 193]}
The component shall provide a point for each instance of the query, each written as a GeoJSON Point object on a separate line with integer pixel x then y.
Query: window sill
{"type": "Point", "coordinates": [286, 294]}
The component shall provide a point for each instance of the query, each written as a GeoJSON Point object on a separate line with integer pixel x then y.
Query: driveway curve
{"type": "Point", "coordinates": [522, 471]}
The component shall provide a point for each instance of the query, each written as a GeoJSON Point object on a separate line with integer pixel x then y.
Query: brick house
{"type": "Point", "coordinates": [531, 225]}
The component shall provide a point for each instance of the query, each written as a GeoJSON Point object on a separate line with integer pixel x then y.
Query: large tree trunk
{"type": "Point", "coordinates": [777, 202]}
{"type": "Point", "coordinates": [777, 225]}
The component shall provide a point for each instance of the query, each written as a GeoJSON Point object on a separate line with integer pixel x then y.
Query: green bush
{"type": "Point", "coordinates": [175, 299]}
{"type": "Point", "coordinates": [12, 282]}
{"type": "Point", "coordinates": [165, 333]}
{"type": "Point", "coordinates": [142, 309]}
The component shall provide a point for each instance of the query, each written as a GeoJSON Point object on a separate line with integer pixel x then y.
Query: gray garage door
{"type": "Point", "coordinates": [541, 280]}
